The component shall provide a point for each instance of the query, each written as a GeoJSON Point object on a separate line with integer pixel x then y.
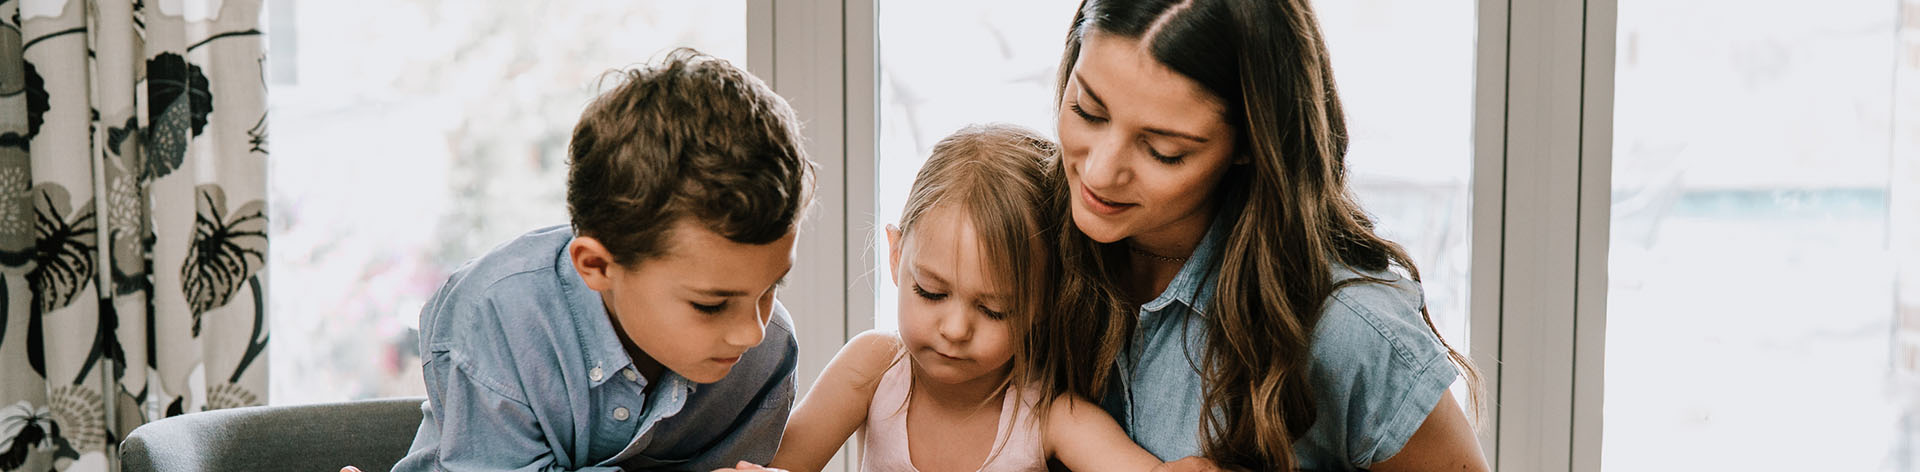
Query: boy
{"type": "Point", "coordinates": [638, 337]}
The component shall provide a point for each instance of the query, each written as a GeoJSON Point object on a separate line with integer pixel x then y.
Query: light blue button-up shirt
{"type": "Point", "coordinates": [1377, 370]}
{"type": "Point", "coordinates": [525, 372]}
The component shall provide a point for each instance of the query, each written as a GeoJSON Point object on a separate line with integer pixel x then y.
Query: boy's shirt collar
{"type": "Point", "coordinates": [605, 358]}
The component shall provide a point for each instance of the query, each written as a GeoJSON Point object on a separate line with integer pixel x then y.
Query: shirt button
{"type": "Point", "coordinates": [631, 375]}
{"type": "Point", "coordinates": [594, 374]}
{"type": "Point", "coordinates": [620, 414]}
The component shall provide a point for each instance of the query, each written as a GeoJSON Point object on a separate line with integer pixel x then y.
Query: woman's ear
{"type": "Point", "coordinates": [893, 254]}
{"type": "Point", "coordinates": [592, 260]}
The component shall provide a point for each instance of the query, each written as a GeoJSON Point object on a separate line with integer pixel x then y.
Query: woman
{"type": "Point", "coordinates": [1215, 261]}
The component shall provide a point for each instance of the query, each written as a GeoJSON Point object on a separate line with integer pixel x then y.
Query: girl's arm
{"type": "Point", "coordinates": [837, 404]}
{"type": "Point", "coordinates": [1083, 437]}
{"type": "Point", "coordinates": [1444, 441]}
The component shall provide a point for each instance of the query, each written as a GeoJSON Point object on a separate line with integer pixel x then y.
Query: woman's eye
{"type": "Point", "coordinates": [1165, 159]}
{"type": "Point", "coordinates": [923, 293]}
{"type": "Point", "coordinates": [710, 309]}
{"type": "Point", "coordinates": [1084, 115]}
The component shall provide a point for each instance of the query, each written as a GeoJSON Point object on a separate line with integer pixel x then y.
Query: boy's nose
{"type": "Point", "coordinates": [748, 331]}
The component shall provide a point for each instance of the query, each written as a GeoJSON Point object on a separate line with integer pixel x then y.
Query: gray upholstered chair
{"type": "Point", "coordinates": [370, 434]}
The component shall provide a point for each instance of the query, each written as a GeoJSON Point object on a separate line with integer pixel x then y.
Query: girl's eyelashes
{"type": "Point", "coordinates": [930, 296]}
{"type": "Point", "coordinates": [709, 309]}
{"type": "Point", "coordinates": [1075, 106]}
{"type": "Point", "coordinates": [992, 315]}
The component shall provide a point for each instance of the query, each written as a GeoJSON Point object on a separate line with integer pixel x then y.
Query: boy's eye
{"type": "Point", "coordinates": [709, 309]}
{"type": "Point", "coordinates": [923, 293]}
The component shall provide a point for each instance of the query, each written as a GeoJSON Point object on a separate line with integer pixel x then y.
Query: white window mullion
{"type": "Point", "coordinates": [1489, 177]}
{"type": "Point", "coordinates": [820, 56]}
{"type": "Point", "coordinates": [1554, 181]}
{"type": "Point", "coordinates": [1596, 197]}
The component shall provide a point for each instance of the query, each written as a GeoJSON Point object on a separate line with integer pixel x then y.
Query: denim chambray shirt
{"type": "Point", "coordinates": [1377, 370]}
{"type": "Point", "coordinates": [524, 372]}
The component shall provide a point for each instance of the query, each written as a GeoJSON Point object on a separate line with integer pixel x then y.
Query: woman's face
{"type": "Point", "coordinates": [1144, 146]}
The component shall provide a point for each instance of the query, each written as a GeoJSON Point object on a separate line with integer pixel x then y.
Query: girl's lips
{"type": "Point", "coordinates": [1101, 205]}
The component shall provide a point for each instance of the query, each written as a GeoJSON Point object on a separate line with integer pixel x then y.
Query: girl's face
{"type": "Point", "coordinates": [952, 309]}
{"type": "Point", "coordinates": [1144, 147]}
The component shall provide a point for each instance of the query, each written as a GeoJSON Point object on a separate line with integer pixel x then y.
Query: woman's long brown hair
{"type": "Point", "coordinates": [1267, 62]}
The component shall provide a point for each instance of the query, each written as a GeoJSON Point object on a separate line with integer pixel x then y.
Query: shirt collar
{"type": "Point", "coordinates": [601, 347]}
{"type": "Point", "coordinates": [1193, 286]}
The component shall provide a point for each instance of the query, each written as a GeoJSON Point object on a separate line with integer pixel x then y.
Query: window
{"type": "Point", "coordinates": [1754, 285]}
{"type": "Point", "coordinates": [410, 137]}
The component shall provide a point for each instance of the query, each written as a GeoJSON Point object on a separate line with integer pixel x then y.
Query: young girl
{"type": "Point", "coordinates": [969, 257]}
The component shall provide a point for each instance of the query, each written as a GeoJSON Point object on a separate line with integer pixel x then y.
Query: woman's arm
{"type": "Point", "coordinates": [1445, 441]}
{"type": "Point", "coordinates": [837, 404]}
{"type": "Point", "coordinates": [1083, 437]}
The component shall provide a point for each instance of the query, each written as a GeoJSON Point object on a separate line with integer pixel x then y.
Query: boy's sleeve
{"type": "Point", "coordinates": [471, 425]}
{"type": "Point", "coordinates": [471, 421]}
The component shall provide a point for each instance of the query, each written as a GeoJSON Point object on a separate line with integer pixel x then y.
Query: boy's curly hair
{"type": "Point", "coordinates": [688, 136]}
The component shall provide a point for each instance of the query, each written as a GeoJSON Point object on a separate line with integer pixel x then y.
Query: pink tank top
{"type": "Point", "coordinates": [885, 441]}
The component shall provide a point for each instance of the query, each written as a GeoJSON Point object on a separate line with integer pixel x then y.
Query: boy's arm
{"type": "Point", "coordinates": [477, 427]}
{"type": "Point", "coordinates": [837, 404]}
{"type": "Point", "coordinates": [1083, 437]}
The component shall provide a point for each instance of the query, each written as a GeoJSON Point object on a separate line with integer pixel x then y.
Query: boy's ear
{"type": "Point", "coordinates": [893, 253]}
{"type": "Point", "coordinates": [593, 261]}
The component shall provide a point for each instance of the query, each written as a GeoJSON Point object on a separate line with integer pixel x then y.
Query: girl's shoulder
{"type": "Point", "coordinates": [869, 355]}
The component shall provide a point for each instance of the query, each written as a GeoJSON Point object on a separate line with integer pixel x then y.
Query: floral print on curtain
{"type": "Point", "coordinates": [133, 240]}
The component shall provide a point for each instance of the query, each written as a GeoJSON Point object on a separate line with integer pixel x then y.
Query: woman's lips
{"type": "Point", "coordinates": [1101, 205]}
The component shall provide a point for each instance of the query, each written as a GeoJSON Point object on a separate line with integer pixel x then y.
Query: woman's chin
{"type": "Point", "coordinates": [1097, 228]}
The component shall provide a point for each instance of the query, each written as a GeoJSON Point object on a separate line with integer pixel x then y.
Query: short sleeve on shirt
{"type": "Point", "coordinates": [1377, 371]}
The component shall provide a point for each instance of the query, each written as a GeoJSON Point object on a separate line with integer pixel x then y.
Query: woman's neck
{"type": "Point", "coordinates": [1156, 257]}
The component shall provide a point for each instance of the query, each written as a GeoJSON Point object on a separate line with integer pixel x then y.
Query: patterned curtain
{"type": "Point", "coordinates": [132, 227]}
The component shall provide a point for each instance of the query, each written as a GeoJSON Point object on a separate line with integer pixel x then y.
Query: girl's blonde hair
{"type": "Point", "coordinates": [996, 175]}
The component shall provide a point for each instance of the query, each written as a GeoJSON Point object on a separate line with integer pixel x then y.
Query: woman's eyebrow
{"type": "Point", "coordinates": [1088, 89]}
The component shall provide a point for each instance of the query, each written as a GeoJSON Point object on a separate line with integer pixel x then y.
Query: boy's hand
{"type": "Point", "coordinates": [1190, 464]}
{"type": "Point", "coordinates": [743, 466]}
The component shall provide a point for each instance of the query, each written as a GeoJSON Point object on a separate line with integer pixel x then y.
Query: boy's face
{"type": "Point", "coordinates": [695, 309]}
